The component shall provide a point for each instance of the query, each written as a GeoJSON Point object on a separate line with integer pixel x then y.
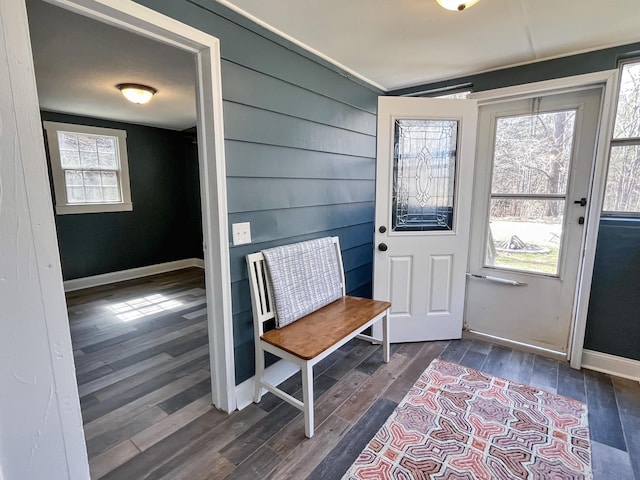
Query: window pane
{"type": "Point", "coordinates": [109, 179]}
{"type": "Point", "coordinates": [623, 181]}
{"type": "Point", "coordinates": [89, 159]}
{"type": "Point", "coordinates": [457, 95]}
{"type": "Point", "coordinates": [107, 160]}
{"type": "Point", "coordinates": [93, 194]}
{"type": "Point", "coordinates": [628, 113]}
{"type": "Point", "coordinates": [91, 178]}
{"type": "Point", "coordinates": [111, 194]}
{"type": "Point", "coordinates": [106, 144]}
{"type": "Point", "coordinates": [525, 235]}
{"type": "Point", "coordinates": [533, 152]}
{"type": "Point", "coordinates": [73, 178]}
{"type": "Point", "coordinates": [87, 143]}
{"type": "Point", "coordinates": [75, 194]}
{"type": "Point", "coordinates": [67, 141]}
{"type": "Point", "coordinates": [69, 158]}
{"type": "Point", "coordinates": [424, 167]}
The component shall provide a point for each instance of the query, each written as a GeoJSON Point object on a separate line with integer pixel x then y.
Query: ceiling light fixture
{"type": "Point", "coordinates": [136, 93]}
{"type": "Point", "coordinates": [457, 4]}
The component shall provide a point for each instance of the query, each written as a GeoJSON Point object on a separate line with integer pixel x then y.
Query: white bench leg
{"type": "Point", "coordinates": [385, 338]}
{"type": "Point", "coordinates": [257, 395]}
{"type": "Point", "coordinates": [307, 397]}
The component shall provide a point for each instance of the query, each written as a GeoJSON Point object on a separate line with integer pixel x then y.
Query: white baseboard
{"type": "Point", "coordinates": [611, 364]}
{"type": "Point", "coordinates": [274, 374]}
{"type": "Point", "coordinates": [122, 275]}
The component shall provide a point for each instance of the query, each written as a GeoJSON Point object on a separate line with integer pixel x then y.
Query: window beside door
{"type": "Point", "coordinates": [622, 197]}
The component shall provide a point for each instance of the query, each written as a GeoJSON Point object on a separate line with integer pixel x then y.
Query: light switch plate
{"type": "Point", "coordinates": [241, 233]}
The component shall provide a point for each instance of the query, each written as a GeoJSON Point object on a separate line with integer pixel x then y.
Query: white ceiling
{"type": "Point", "coordinates": [401, 43]}
{"type": "Point", "coordinates": [391, 44]}
{"type": "Point", "coordinates": [79, 61]}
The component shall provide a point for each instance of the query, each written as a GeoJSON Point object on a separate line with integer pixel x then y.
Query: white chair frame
{"type": "Point", "coordinates": [263, 311]}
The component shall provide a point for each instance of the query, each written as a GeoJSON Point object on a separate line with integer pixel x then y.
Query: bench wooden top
{"type": "Point", "coordinates": [311, 335]}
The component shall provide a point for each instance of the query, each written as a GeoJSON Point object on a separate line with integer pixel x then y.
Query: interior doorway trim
{"type": "Point", "coordinates": [206, 49]}
{"type": "Point", "coordinates": [39, 267]}
{"type": "Point", "coordinates": [608, 81]}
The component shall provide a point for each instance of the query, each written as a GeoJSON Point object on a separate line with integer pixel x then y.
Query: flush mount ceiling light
{"type": "Point", "coordinates": [136, 93]}
{"type": "Point", "coordinates": [457, 4]}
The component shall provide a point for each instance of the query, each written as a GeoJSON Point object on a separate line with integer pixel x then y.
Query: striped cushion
{"type": "Point", "coordinates": [304, 277]}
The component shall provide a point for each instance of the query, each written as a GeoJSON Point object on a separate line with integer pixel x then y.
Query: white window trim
{"type": "Point", "coordinates": [63, 207]}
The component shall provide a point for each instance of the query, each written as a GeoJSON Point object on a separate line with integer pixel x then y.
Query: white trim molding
{"type": "Point", "coordinates": [144, 21]}
{"type": "Point", "coordinates": [274, 374]}
{"type": "Point", "coordinates": [611, 364]}
{"type": "Point", "coordinates": [39, 370]}
{"type": "Point", "coordinates": [130, 274]}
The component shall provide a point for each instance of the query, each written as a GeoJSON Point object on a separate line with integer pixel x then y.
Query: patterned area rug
{"type": "Point", "coordinates": [458, 423]}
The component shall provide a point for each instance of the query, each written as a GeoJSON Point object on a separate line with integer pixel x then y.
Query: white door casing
{"type": "Point", "coordinates": [541, 311]}
{"type": "Point", "coordinates": [41, 380]}
{"type": "Point", "coordinates": [422, 273]}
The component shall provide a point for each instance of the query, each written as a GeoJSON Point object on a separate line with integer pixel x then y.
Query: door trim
{"type": "Point", "coordinates": [608, 81]}
{"type": "Point", "coordinates": [22, 101]}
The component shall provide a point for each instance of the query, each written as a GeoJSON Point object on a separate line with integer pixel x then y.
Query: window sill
{"type": "Point", "coordinates": [94, 208]}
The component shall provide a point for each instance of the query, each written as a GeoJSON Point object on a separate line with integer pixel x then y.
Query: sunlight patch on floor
{"type": "Point", "coordinates": [142, 307]}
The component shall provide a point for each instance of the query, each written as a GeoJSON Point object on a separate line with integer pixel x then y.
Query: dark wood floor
{"type": "Point", "coordinates": [143, 373]}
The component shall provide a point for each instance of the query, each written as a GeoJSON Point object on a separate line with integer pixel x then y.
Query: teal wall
{"type": "Point", "coordinates": [613, 325]}
{"type": "Point", "coordinates": [165, 223]}
{"type": "Point", "coordinates": [612, 321]}
{"type": "Point", "coordinates": [300, 152]}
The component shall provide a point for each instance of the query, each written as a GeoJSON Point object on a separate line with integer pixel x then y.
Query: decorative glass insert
{"type": "Point", "coordinates": [531, 165]}
{"type": "Point", "coordinates": [91, 167]}
{"type": "Point", "coordinates": [424, 171]}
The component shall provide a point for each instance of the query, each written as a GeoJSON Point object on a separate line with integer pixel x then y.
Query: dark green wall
{"type": "Point", "coordinates": [300, 152]}
{"type": "Point", "coordinates": [165, 223]}
{"type": "Point", "coordinates": [613, 324]}
{"type": "Point", "coordinates": [612, 321]}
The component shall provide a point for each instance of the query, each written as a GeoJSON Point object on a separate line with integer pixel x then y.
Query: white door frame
{"type": "Point", "coordinates": [22, 113]}
{"type": "Point", "coordinates": [608, 80]}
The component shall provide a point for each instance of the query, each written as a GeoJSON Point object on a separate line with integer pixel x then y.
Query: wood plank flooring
{"type": "Point", "coordinates": [143, 373]}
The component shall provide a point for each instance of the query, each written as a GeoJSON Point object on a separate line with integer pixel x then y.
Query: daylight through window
{"type": "Point", "coordinates": [623, 181]}
{"type": "Point", "coordinates": [89, 168]}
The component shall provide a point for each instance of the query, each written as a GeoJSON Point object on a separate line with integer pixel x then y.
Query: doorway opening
{"type": "Point", "coordinates": [205, 52]}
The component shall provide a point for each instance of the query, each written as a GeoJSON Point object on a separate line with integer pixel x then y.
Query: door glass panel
{"type": "Point", "coordinates": [532, 153]}
{"type": "Point", "coordinates": [525, 235]}
{"type": "Point", "coordinates": [424, 170]}
{"type": "Point", "coordinates": [529, 182]}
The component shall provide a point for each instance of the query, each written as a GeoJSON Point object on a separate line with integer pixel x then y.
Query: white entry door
{"type": "Point", "coordinates": [533, 172]}
{"type": "Point", "coordinates": [424, 181]}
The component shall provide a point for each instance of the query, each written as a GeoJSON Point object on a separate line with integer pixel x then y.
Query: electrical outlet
{"type": "Point", "coordinates": [241, 233]}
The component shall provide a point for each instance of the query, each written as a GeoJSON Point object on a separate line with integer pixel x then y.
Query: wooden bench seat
{"type": "Point", "coordinates": [309, 339]}
{"type": "Point", "coordinates": [330, 325]}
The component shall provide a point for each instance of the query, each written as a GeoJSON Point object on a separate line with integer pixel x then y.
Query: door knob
{"type": "Point", "coordinates": [582, 202]}
{"type": "Point", "coordinates": [382, 229]}
{"type": "Point", "coordinates": [382, 247]}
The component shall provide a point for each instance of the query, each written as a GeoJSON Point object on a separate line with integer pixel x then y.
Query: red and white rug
{"type": "Point", "coordinates": [459, 423]}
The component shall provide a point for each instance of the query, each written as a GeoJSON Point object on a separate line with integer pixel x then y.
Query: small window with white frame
{"type": "Point", "coordinates": [89, 167]}
{"type": "Point", "coordinates": [622, 196]}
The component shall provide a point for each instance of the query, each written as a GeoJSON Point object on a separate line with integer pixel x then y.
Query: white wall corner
{"type": "Point", "coordinates": [274, 375]}
{"type": "Point", "coordinates": [611, 364]}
